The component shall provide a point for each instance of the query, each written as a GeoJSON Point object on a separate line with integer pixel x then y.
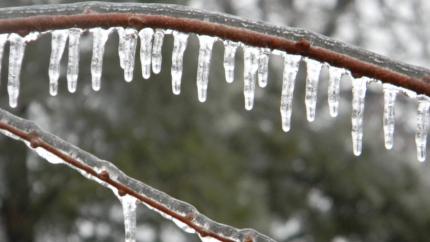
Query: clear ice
{"type": "Point", "coordinates": [422, 126]}
{"type": "Point", "coordinates": [390, 94]}
{"type": "Point", "coordinates": [146, 51]}
{"type": "Point", "coordinates": [250, 67]}
{"type": "Point", "coordinates": [16, 55]}
{"type": "Point", "coordinates": [205, 52]}
{"type": "Point", "coordinates": [100, 37]}
{"type": "Point", "coordinates": [73, 61]}
{"type": "Point", "coordinates": [359, 87]}
{"type": "Point", "coordinates": [129, 210]}
{"type": "Point", "coordinates": [335, 74]}
{"type": "Point", "coordinates": [263, 67]}
{"type": "Point", "coordinates": [230, 48]}
{"type": "Point", "coordinates": [313, 68]}
{"type": "Point", "coordinates": [291, 67]}
{"type": "Point", "coordinates": [3, 40]}
{"type": "Point", "coordinates": [59, 39]}
{"type": "Point", "coordinates": [127, 51]}
{"type": "Point", "coordinates": [179, 45]}
{"type": "Point", "coordinates": [156, 50]}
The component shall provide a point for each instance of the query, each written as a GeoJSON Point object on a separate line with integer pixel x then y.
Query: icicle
{"type": "Point", "coordinates": [250, 70]}
{"type": "Point", "coordinates": [73, 62]}
{"type": "Point", "coordinates": [145, 51]}
{"type": "Point", "coordinates": [3, 39]}
{"type": "Point", "coordinates": [263, 68]}
{"type": "Point", "coordinates": [100, 37]}
{"type": "Point", "coordinates": [205, 52]}
{"type": "Point", "coordinates": [156, 50]}
{"type": "Point", "coordinates": [129, 210]}
{"type": "Point", "coordinates": [335, 74]}
{"type": "Point", "coordinates": [390, 93]}
{"type": "Point", "coordinates": [179, 45]}
{"type": "Point", "coordinates": [16, 55]}
{"type": "Point", "coordinates": [59, 38]}
{"type": "Point", "coordinates": [230, 48]}
{"type": "Point", "coordinates": [313, 68]}
{"type": "Point", "coordinates": [127, 51]}
{"type": "Point", "coordinates": [359, 87]}
{"type": "Point", "coordinates": [291, 67]}
{"type": "Point", "coordinates": [422, 126]}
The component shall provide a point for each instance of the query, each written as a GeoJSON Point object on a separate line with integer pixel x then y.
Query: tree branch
{"type": "Point", "coordinates": [292, 40]}
{"type": "Point", "coordinates": [108, 175]}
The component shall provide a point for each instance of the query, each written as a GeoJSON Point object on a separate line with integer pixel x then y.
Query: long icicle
{"type": "Point", "coordinates": [100, 37]}
{"type": "Point", "coordinates": [313, 68]}
{"type": "Point", "coordinates": [179, 45]}
{"type": "Point", "coordinates": [127, 51]}
{"type": "Point", "coordinates": [291, 67]}
{"type": "Point", "coordinates": [250, 70]}
{"type": "Point", "coordinates": [263, 67]}
{"type": "Point", "coordinates": [129, 211]}
{"type": "Point", "coordinates": [16, 55]}
{"type": "Point", "coordinates": [59, 39]}
{"type": "Point", "coordinates": [156, 50]}
{"type": "Point", "coordinates": [422, 126]}
{"type": "Point", "coordinates": [73, 61]}
{"type": "Point", "coordinates": [205, 52]}
{"type": "Point", "coordinates": [335, 74]}
{"type": "Point", "coordinates": [145, 51]}
{"type": "Point", "coordinates": [390, 94]}
{"type": "Point", "coordinates": [230, 48]}
{"type": "Point", "coordinates": [359, 87]}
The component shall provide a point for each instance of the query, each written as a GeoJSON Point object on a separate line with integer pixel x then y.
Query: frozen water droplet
{"type": "Point", "coordinates": [263, 68]}
{"type": "Point", "coordinates": [156, 50]}
{"type": "Point", "coordinates": [145, 51]}
{"type": "Point", "coordinates": [127, 51]}
{"type": "Point", "coordinates": [205, 52]}
{"type": "Point", "coordinates": [16, 55]}
{"type": "Point", "coordinates": [179, 45]}
{"type": "Point", "coordinates": [59, 38]}
{"type": "Point", "coordinates": [291, 67]}
{"type": "Point", "coordinates": [359, 87]}
{"type": "Point", "coordinates": [250, 70]}
{"type": "Point", "coordinates": [335, 74]}
{"type": "Point", "coordinates": [230, 48]}
{"type": "Point", "coordinates": [422, 126]}
{"type": "Point", "coordinates": [100, 37]}
{"type": "Point", "coordinates": [129, 210]}
{"type": "Point", "coordinates": [3, 39]}
{"type": "Point", "coordinates": [390, 93]}
{"type": "Point", "coordinates": [313, 68]}
{"type": "Point", "coordinates": [73, 61]}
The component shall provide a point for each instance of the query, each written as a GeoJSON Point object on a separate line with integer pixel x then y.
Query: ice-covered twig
{"type": "Point", "coordinates": [292, 40]}
{"type": "Point", "coordinates": [56, 150]}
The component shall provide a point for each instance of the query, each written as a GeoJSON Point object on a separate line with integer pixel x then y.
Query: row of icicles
{"type": "Point", "coordinates": [255, 69]}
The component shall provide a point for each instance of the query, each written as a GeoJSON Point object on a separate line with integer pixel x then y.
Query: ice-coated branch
{"type": "Point", "coordinates": [58, 151]}
{"type": "Point", "coordinates": [292, 40]}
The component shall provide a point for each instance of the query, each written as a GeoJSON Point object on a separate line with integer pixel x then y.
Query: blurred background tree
{"type": "Point", "coordinates": [237, 167]}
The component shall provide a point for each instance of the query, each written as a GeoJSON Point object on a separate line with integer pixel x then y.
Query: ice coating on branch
{"type": "Point", "coordinates": [291, 67]}
{"type": "Point", "coordinates": [422, 126]}
{"type": "Point", "coordinates": [16, 55]}
{"type": "Point", "coordinates": [73, 61]}
{"type": "Point", "coordinates": [250, 67]}
{"type": "Point", "coordinates": [390, 94]}
{"type": "Point", "coordinates": [263, 67]}
{"type": "Point", "coordinates": [230, 48]}
{"type": "Point", "coordinates": [3, 39]}
{"type": "Point", "coordinates": [359, 87]}
{"type": "Point", "coordinates": [145, 51]}
{"type": "Point", "coordinates": [59, 39]}
{"type": "Point", "coordinates": [205, 52]}
{"type": "Point", "coordinates": [335, 74]}
{"type": "Point", "coordinates": [129, 211]}
{"type": "Point", "coordinates": [100, 37]}
{"type": "Point", "coordinates": [156, 50]}
{"type": "Point", "coordinates": [127, 51]}
{"type": "Point", "coordinates": [313, 68]}
{"type": "Point", "coordinates": [179, 45]}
